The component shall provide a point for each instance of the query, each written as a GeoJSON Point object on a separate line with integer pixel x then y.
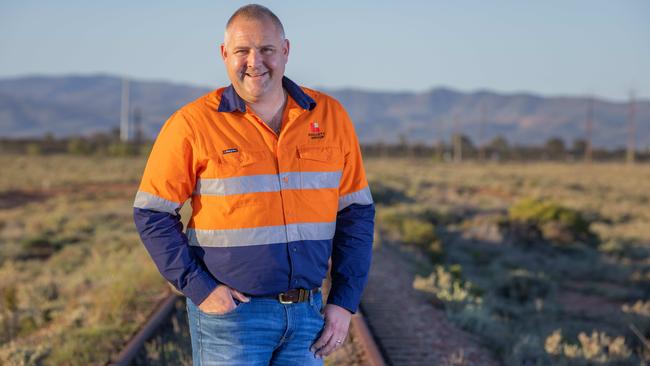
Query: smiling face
{"type": "Point", "coordinates": [255, 54]}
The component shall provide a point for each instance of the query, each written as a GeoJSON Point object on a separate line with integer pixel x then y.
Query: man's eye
{"type": "Point", "coordinates": [267, 50]}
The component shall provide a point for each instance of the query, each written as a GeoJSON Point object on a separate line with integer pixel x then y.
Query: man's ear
{"type": "Point", "coordinates": [224, 52]}
{"type": "Point", "coordinates": [285, 48]}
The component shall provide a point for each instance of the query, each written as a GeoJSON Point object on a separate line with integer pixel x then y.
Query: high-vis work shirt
{"type": "Point", "coordinates": [268, 211]}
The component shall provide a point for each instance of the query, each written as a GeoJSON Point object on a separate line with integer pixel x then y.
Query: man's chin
{"type": "Point", "coordinates": [256, 92]}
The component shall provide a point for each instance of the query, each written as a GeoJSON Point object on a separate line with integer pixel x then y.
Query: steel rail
{"type": "Point", "coordinates": [134, 345]}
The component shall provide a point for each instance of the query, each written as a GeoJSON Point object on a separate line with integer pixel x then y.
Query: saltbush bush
{"type": "Point", "coordinates": [523, 287]}
{"type": "Point", "coordinates": [597, 348]}
{"type": "Point", "coordinates": [557, 223]}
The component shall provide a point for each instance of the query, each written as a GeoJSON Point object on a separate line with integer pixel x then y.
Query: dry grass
{"type": "Point", "coordinates": [70, 254]}
{"type": "Point", "coordinates": [75, 281]}
{"type": "Point", "coordinates": [532, 283]}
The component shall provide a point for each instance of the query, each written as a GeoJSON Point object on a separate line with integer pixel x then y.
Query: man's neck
{"type": "Point", "coordinates": [270, 111]}
{"type": "Point", "coordinates": [269, 104]}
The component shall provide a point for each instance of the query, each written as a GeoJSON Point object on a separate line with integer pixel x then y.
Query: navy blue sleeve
{"type": "Point", "coordinates": [163, 237]}
{"type": "Point", "coordinates": [351, 255]}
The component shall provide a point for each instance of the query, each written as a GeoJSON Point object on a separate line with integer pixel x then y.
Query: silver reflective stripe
{"type": "Point", "coordinates": [361, 197]}
{"type": "Point", "coordinates": [238, 185]}
{"type": "Point", "coordinates": [311, 231]}
{"type": "Point", "coordinates": [317, 180]}
{"type": "Point", "coordinates": [261, 235]}
{"type": "Point", "coordinates": [267, 183]}
{"type": "Point", "coordinates": [150, 201]}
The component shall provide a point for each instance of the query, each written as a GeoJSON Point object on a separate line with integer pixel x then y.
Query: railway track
{"type": "Point", "coordinates": [360, 349]}
{"type": "Point", "coordinates": [396, 325]}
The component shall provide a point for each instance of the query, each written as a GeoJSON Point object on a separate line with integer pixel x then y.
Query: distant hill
{"type": "Point", "coordinates": [72, 105]}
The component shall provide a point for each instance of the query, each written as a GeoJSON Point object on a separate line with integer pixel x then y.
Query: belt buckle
{"type": "Point", "coordinates": [284, 302]}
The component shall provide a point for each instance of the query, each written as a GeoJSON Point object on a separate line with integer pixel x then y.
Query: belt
{"type": "Point", "coordinates": [293, 295]}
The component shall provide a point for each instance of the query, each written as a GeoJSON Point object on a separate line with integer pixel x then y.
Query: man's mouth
{"type": "Point", "coordinates": [255, 75]}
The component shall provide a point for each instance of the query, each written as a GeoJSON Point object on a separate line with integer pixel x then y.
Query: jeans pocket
{"type": "Point", "coordinates": [317, 305]}
{"type": "Point", "coordinates": [236, 309]}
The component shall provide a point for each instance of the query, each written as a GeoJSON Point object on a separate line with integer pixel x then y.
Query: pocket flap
{"type": "Point", "coordinates": [243, 158]}
{"type": "Point", "coordinates": [329, 154]}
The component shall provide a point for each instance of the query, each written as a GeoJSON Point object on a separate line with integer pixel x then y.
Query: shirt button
{"type": "Point", "coordinates": [286, 179]}
{"type": "Point", "coordinates": [294, 249]}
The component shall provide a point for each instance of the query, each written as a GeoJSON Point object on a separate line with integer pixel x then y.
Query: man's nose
{"type": "Point", "coordinates": [254, 59]}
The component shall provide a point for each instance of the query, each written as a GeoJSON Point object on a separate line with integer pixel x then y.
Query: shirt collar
{"type": "Point", "coordinates": [231, 101]}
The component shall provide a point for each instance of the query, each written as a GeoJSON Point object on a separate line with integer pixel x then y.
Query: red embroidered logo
{"type": "Point", "coordinates": [313, 127]}
{"type": "Point", "coordinates": [315, 132]}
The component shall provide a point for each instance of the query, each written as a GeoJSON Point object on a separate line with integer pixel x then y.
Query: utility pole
{"type": "Point", "coordinates": [589, 129]}
{"type": "Point", "coordinates": [440, 143]}
{"type": "Point", "coordinates": [458, 148]}
{"type": "Point", "coordinates": [481, 145]}
{"type": "Point", "coordinates": [125, 134]}
{"type": "Point", "coordinates": [631, 138]}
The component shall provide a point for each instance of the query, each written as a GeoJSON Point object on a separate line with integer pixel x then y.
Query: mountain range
{"type": "Point", "coordinates": [32, 106]}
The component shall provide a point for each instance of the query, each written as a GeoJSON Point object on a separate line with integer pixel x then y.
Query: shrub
{"type": "Point", "coordinates": [417, 232]}
{"type": "Point", "coordinates": [557, 223]}
{"type": "Point", "coordinates": [599, 347]}
{"type": "Point", "coordinates": [523, 287]}
{"type": "Point", "coordinates": [640, 308]}
{"type": "Point", "coordinates": [122, 149]}
{"type": "Point", "coordinates": [448, 286]}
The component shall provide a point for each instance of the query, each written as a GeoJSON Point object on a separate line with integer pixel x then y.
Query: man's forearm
{"type": "Point", "coordinates": [351, 255]}
{"type": "Point", "coordinates": [163, 237]}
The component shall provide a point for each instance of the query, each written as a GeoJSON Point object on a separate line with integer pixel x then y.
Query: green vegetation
{"type": "Point", "coordinates": [412, 228]}
{"type": "Point", "coordinates": [556, 223]}
{"type": "Point", "coordinates": [555, 258]}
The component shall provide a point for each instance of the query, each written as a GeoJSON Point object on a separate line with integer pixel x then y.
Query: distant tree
{"type": "Point", "coordinates": [33, 149]}
{"type": "Point", "coordinates": [78, 146]}
{"type": "Point", "coordinates": [579, 147]}
{"type": "Point", "coordinates": [463, 147]}
{"type": "Point", "coordinates": [498, 147]}
{"type": "Point", "coordinates": [555, 148]}
{"type": "Point", "coordinates": [48, 137]}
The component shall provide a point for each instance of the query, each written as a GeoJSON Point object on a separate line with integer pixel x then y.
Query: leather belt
{"type": "Point", "coordinates": [294, 295]}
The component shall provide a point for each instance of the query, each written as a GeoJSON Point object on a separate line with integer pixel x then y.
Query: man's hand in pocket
{"type": "Point", "coordinates": [220, 301]}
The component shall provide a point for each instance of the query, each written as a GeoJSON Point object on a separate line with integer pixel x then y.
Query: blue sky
{"type": "Point", "coordinates": [546, 47]}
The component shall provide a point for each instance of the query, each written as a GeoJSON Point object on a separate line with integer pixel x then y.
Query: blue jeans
{"type": "Point", "coordinates": [260, 332]}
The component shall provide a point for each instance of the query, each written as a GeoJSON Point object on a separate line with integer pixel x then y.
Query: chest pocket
{"type": "Point", "coordinates": [241, 163]}
{"type": "Point", "coordinates": [238, 180]}
{"type": "Point", "coordinates": [320, 166]}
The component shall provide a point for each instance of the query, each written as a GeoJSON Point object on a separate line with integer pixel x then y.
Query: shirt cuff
{"type": "Point", "coordinates": [200, 287]}
{"type": "Point", "coordinates": [345, 297]}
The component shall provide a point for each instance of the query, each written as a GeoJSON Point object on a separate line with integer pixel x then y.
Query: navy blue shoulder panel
{"type": "Point", "coordinates": [231, 101]}
{"type": "Point", "coordinates": [296, 92]}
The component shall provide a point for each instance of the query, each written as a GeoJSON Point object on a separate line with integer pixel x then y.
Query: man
{"type": "Point", "coordinates": [277, 185]}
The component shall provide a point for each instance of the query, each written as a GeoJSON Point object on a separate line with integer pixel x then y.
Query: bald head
{"type": "Point", "coordinates": [258, 13]}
